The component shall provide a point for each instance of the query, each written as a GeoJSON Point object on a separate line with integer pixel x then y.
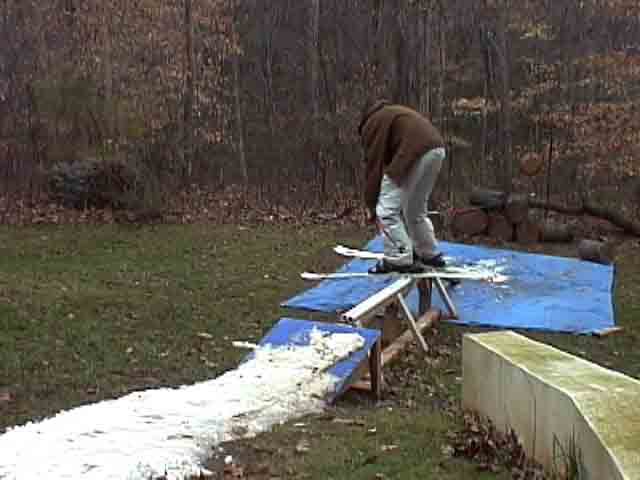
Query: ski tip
{"type": "Point", "coordinates": [310, 276]}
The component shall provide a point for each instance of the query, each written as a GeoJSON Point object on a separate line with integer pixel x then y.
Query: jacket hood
{"type": "Point", "coordinates": [370, 110]}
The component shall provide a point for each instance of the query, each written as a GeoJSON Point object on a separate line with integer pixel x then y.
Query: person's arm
{"type": "Point", "coordinates": [371, 213]}
{"type": "Point", "coordinates": [376, 152]}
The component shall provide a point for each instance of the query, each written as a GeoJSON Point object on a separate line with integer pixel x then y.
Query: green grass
{"type": "Point", "coordinates": [386, 443]}
{"type": "Point", "coordinates": [88, 313]}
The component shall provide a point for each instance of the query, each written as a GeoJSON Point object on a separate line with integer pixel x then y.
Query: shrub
{"type": "Point", "coordinates": [93, 182]}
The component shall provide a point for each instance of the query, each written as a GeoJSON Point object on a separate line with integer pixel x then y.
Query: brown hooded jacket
{"type": "Point", "coordinates": [393, 137]}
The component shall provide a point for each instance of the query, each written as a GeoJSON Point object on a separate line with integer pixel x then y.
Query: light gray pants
{"type": "Point", "coordinates": [402, 211]}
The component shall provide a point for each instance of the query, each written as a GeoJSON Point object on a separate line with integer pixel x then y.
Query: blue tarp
{"type": "Point", "coordinates": [543, 292]}
{"type": "Point", "coordinates": [292, 331]}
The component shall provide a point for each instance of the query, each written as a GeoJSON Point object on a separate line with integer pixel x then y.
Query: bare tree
{"type": "Point", "coordinates": [271, 21]}
{"type": "Point", "coordinates": [107, 55]}
{"type": "Point", "coordinates": [314, 57]}
{"type": "Point", "coordinates": [402, 54]}
{"type": "Point", "coordinates": [189, 91]}
{"type": "Point", "coordinates": [239, 117]}
{"type": "Point", "coordinates": [425, 59]}
{"type": "Point", "coordinates": [165, 79]}
{"type": "Point", "coordinates": [505, 94]}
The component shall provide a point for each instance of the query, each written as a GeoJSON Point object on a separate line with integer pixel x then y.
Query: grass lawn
{"type": "Point", "coordinates": [88, 313]}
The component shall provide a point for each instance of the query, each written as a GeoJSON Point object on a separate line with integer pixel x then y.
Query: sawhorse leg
{"type": "Point", "coordinates": [412, 324]}
{"type": "Point", "coordinates": [425, 290]}
{"type": "Point", "coordinates": [425, 287]}
{"type": "Point", "coordinates": [446, 298]}
{"type": "Point", "coordinates": [375, 369]}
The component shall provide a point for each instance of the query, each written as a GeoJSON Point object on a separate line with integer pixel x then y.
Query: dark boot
{"type": "Point", "coordinates": [386, 267]}
{"type": "Point", "coordinates": [437, 261]}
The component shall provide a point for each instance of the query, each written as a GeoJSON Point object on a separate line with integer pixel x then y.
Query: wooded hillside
{"type": "Point", "coordinates": [268, 93]}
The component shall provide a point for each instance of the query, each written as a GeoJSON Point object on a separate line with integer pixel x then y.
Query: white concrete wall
{"type": "Point", "coordinates": [542, 393]}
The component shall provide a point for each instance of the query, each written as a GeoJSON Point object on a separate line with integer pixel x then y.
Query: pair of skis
{"type": "Point", "coordinates": [450, 272]}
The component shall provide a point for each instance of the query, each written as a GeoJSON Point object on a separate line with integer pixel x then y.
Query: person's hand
{"type": "Point", "coordinates": [372, 218]}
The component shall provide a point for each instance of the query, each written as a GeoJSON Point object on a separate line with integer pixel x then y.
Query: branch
{"type": "Point", "coordinates": [593, 210]}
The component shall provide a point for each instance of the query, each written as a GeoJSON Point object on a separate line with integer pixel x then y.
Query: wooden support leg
{"type": "Point", "coordinates": [446, 298]}
{"type": "Point", "coordinates": [391, 324]}
{"type": "Point", "coordinates": [390, 353]}
{"type": "Point", "coordinates": [412, 324]}
{"type": "Point", "coordinates": [375, 369]}
{"type": "Point", "coordinates": [425, 287]}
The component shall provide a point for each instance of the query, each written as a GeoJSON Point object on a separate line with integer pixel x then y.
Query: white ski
{"type": "Point", "coordinates": [432, 274]}
{"type": "Point", "coordinates": [482, 270]}
{"type": "Point", "coordinates": [366, 255]}
{"type": "Point", "coordinates": [352, 252]}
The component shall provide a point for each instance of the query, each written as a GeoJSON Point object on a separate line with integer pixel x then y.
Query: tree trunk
{"type": "Point", "coordinates": [549, 164]}
{"type": "Point", "coordinates": [555, 207]}
{"type": "Point", "coordinates": [594, 251]}
{"type": "Point", "coordinates": [470, 221]}
{"type": "Point", "coordinates": [443, 69]}
{"type": "Point", "coordinates": [314, 57]}
{"type": "Point", "coordinates": [556, 232]}
{"type": "Point", "coordinates": [484, 170]}
{"type": "Point", "coordinates": [528, 232]}
{"type": "Point", "coordinates": [237, 106]}
{"type": "Point", "coordinates": [490, 199]}
{"type": "Point", "coordinates": [272, 13]}
{"type": "Point", "coordinates": [588, 208]}
{"type": "Point", "coordinates": [338, 70]}
{"type": "Point", "coordinates": [500, 227]}
{"type": "Point", "coordinates": [517, 208]}
{"type": "Point", "coordinates": [109, 110]}
{"type": "Point", "coordinates": [376, 47]}
{"type": "Point", "coordinates": [314, 68]}
{"type": "Point", "coordinates": [505, 100]}
{"type": "Point", "coordinates": [613, 216]}
{"type": "Point", "coordinates": [424, 91]}
{"type": "Point", "coordinates": [402, 55]}
{"type": "Point", "coordinates": [239, 121]}
{"type": "Point", "coordinates": [189, 91]}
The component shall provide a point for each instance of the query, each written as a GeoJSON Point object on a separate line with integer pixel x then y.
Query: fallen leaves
{"type": "Point", "coordinates": [239, 206]}
{"type": "Point", "coordinates": [448, 451]}
{"type": "Point", "coordinates": [349, 421]}
{"type": "Point", "coordinates": [389, 448]}
{"type": "Point", "coordinates": [303, 446]}
{"type": "Point", "coordinates": [92, 390]}
{"type": "Point", "coordinates": [480, 442]}
{"type": "Point", "coordinates": [232, 470]}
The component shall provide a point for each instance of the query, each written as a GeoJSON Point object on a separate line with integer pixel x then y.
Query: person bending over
{"type": "Point", "coordinates": [404, 152]}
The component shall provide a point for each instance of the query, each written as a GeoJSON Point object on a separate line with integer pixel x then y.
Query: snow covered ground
{"type": "Point", "coordinates": [173, 431]}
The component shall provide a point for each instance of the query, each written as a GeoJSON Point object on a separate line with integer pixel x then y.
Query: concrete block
{"type": "Point", "coordinates": [549, 398]}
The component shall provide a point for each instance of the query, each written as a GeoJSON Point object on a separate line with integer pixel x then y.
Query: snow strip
{"type": "Point", "coordinates": [172, 432]}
